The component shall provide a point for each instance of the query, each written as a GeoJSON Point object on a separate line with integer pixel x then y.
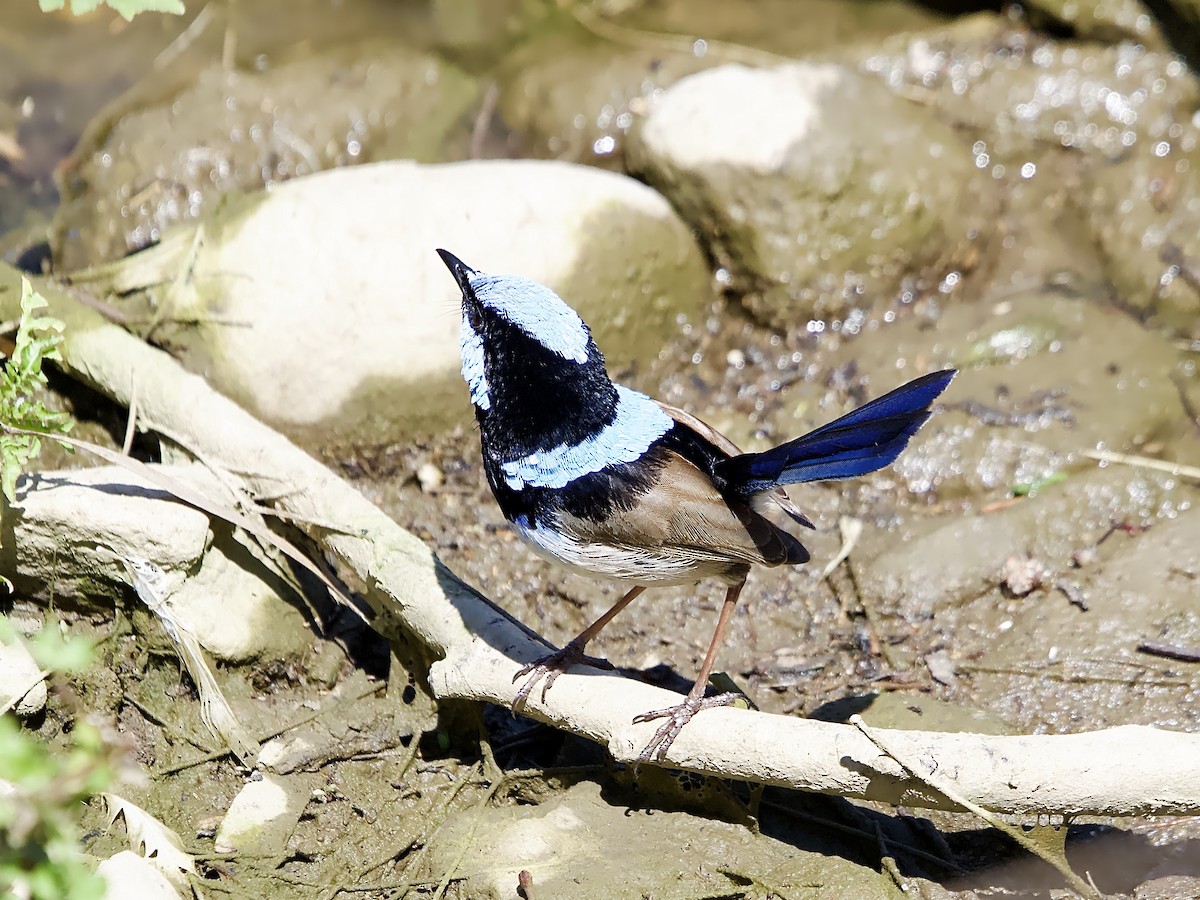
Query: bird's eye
{"type": "Point", "coordinates": [474, 317]}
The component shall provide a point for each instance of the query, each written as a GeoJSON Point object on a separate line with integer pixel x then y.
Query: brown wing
{"type": "Point", "coordinates": [685, 512]}
{"type": "Point", "coordinates": [727, 446]}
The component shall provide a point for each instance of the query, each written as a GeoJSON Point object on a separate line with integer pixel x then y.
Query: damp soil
{"type": "Point", "coordinates": [1004, 581]}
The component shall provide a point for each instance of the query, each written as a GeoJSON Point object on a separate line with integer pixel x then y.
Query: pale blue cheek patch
{"type": "Point", "coordinates": [536, 310]}
{"type": "Point", "coordinates": [471, 346]}
{"type": "Point", "coordinates": [638, 424]}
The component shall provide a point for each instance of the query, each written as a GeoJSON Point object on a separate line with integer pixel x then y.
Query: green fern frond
{"type": "Point", "coordinates": [21, 377]}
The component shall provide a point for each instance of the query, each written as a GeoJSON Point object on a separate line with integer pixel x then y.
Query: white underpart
{"type": "Point", "coordinates": [639, 422]}
{"type": "Point", "coordinates": [536, 310]}
{"type": "Point", "coordinates": [632, 565]}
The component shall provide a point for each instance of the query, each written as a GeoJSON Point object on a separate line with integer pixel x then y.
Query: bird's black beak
{"type": "Point", "coordinates": [460, 270]}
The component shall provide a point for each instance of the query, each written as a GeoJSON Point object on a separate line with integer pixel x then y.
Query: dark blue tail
{"type": "Point", "coordinates": [859, 442]}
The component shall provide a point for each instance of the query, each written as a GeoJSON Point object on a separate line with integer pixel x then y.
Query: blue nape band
{"type": "Point", "coordinates": [639, 423]}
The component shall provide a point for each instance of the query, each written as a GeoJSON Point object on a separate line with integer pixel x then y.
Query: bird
{"type": "Point", "coordinates": [611, 483]}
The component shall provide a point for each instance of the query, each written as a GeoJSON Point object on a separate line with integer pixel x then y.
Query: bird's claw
{"type": "Point", "coordinates": [548, 668]}
{"type": "Point", "coordinates": [677, 717]}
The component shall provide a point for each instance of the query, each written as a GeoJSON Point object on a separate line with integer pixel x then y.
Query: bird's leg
{"type": "Point", "coordinates": [550, 667]}
{"type": "Point", "coordinates": [678, 716]}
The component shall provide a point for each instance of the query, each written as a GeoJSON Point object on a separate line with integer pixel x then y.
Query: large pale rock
{"type": "Point", "coordinates": [101, 513]}
{"type": "Point", "coordinates": [173, 157]}
{"type": "Point", "coordinates": [323, 308]}
{"type": "Point", "coordinates": [220, 591]}
{"type": "Point", "coordinates": [817, 190]}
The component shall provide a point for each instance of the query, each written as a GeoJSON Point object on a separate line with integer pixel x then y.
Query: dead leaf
{"type": "Point", "coordinates": [154, 840]}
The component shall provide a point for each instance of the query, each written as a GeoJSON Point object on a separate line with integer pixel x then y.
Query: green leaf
{"type": "Point", "coordinates": [1026, 489]}
{"type": "Point", "coordinates": [1018, 342]}
{"type": "Point", "coordinates": [40, 854]}
{"type": "Point", "coordinates": [127, 9]}
{"type": "Point", "coordinates": [130, 8]}
{"type": "Point", "coordinates": [38, 337]}
{"type": "Point", "coordinates": [51, 651]}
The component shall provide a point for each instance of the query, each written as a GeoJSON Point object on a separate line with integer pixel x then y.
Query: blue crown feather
{"type": "Point", "coordinates": [536, 310]}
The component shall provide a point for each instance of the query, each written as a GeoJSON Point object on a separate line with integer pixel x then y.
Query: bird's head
{"type": "Point", "coordinates": [523, 347]}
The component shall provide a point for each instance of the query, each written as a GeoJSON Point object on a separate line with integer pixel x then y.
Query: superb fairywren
{"type": "Point", "coordinates": [611, 483]}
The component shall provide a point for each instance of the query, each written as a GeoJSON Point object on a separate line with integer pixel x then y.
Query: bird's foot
{"type": "Point", "coordinates": [548, 668]}
{"type": "Point", "coordinates": [677, 717]}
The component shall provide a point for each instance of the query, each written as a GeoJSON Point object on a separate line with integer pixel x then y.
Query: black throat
{"type": "Point", "coordinates": [539, 399]}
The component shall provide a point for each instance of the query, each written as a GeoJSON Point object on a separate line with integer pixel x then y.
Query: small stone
{"type": "Point", "coordinates": [1023, 574]}
{"type": "Point", "coordinates": [941, 667]}
{"type": "Point", "coordinates": [430, 477]}
{"type": "Point", "coordinates": [207, 827]}
{"type": "Point", "coordinates": [1084, 556]}
{"type": "Point", "coordinates": [263, 815]}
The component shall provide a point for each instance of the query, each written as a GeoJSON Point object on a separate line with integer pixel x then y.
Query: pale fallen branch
{"type": "Point", "coordinates": [1132, 770]}
{"type": "Point", "coordinates": [1179, 470]}
{"type": "Point", "coordinates": [185, 493]}
{"type": "Point", "coordinates": [929, 776]}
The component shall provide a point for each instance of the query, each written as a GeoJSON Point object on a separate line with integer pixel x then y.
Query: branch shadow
{"type": "Point", "coordinates": [950, 849]}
